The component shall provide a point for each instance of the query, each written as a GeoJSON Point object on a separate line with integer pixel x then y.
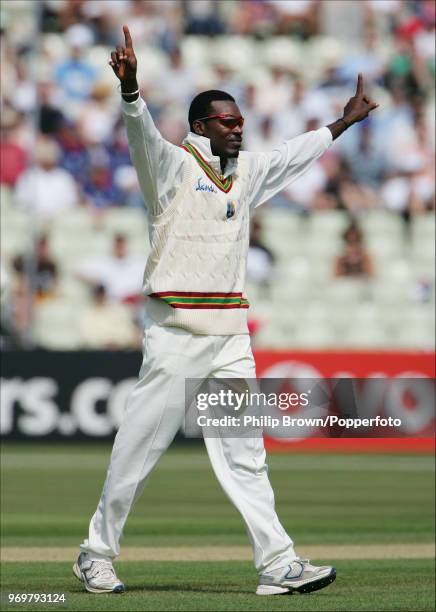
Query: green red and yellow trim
{"type": "Point", "coordinates": [200, 300]}
{"type": "Point", "coordinates": [224, 185]}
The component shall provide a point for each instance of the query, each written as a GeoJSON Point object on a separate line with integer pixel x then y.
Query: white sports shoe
{"type": "Point", "coordinates": [300, 577]}
{"type": "Point", "coordinates": [98, 575]}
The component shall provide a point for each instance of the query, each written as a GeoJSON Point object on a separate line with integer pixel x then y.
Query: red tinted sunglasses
{"type": "Point", "coordinates": [226, 120]}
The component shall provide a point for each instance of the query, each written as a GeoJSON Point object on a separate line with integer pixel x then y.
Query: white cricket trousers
{"type": "Point", "coordinates": [153, 415]}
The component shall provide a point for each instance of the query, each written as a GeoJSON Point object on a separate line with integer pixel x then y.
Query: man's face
{"type": "Point", "coordinates": [225, 141]}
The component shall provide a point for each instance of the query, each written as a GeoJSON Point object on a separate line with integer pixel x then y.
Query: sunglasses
{"type": "Point", "coordinates": [226, 120]}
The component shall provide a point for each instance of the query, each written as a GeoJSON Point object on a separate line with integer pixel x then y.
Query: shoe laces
{"type": "Point", "coordinates": [306, 564]}
{"type": "Point", "coordinates": [102, 569]}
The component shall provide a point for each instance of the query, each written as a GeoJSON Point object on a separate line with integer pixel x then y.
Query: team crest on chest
{"type": "Point", "coordinates": [231, 208]}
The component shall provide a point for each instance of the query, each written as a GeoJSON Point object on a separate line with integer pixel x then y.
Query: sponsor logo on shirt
{"type": "Point", "coordinates": [200, 186]}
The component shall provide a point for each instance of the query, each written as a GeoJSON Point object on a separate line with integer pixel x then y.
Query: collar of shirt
{"type": "Point", "coordinates": [202, 145]}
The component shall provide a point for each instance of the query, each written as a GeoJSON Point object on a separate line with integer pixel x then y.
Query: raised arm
{"type": "Point", "coordinates": [357, 108]}
{"type": "Point", "coordinates": [124, 65]}
{"type": "Point", "coordinates": [273, 171]}
{"type": "Point", "coordinates": [158, 163]}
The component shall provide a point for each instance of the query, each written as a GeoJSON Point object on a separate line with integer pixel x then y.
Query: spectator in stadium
{"type": "Point", "coordinates": [46, 189]}
{"type": "Point", "coordinates": [13, 156]}
{"type": "Point", "coordinates": [178, 80]}
{"type": "Point", "coordinates": [366, 59]}
{"type": "Point", "coordinates": [75, 75]}
{"type": "Point", "coordinates": [297, 17]}
{"type": "Point", "coordinates": [305, 194]}
{"type": "Point", "coordinates": [226, 79]}
{"type": "Point", "coordinates": [248, 104]}
{"type": "Point", "coordinates": [98, 189]}
{"type": "Point", "coordinates": [75, 156]}
{"type": "Point", "coordinates": [260, 260]}
{"type": "Point", "coordinates": [119, 272]}
{"type": "Point", "coordinates": [275, 95]}
{"type": "Point", "coordinates": [50, 115]}
{"type": "Point", "coordinates": [34, 279]}
{"type": "Point", "coordinates": [118, 147]}
{"type": "Point", "coordinates": [354, 261]}
{"type": "Point", "coordinates": [331, 81]}
{"type": "Point", "coordinates": [9, 337]}
{"type": "Point", "coordinates": [345, 193]}
{"type": "Point", "coordinates": [39, 270]}
{"type": "Point", "coordinates": [366, 158]}
{"type": "Point", "coordinates": [423, 181]}
{"type": "Point", "coordinates": [256, 19]}
{"type": "Point", "coordinates": [126, 183]}
{"type": "Point", "coordinates": [264, 139]}
{"type": "Point", "coordinates": [407, 69]}
{"type": "Point", "coordinates": [96, 119]}
{"type": "Point", "coordinates": [16, 308]}
{"type": "Point", "coordinates": [292, 120]}
{"type": "Point", "coordinates": [408, 183]}
{"type": "Point", "coordinates": [410, 189]}
{"type": "Point", "coordinates": [105, 325]}
{"type": "Point", "coordinates": [410, 186]}
{"type": "Point", "coordinates": [203, 18]}
{"type": "Point", "coordinates": [356, 196]}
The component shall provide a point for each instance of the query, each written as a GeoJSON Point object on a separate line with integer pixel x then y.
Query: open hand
{"type": "Point", "coordinates": [359, 106]}
{"type": "Point", "coordinates": [123, 60]}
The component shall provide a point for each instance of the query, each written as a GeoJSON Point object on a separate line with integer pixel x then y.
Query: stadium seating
{"type": "Point", "coordinates": [55, 324]}
{"type": "Point", "coordinates": [303, 306]}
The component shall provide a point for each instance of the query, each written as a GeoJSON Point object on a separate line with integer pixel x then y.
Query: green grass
{"type": "Point", "coordinates": [50, 493]}
{"type": "Point", "coordinates": [361, 585]}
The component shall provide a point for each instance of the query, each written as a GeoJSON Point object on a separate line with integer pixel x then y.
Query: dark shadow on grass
{"type": "Point", "coordinates": [185, 588]}
{"type": "Point", "coordinates": [167, 588]}
{"type": "Point", "coordinates": [132, 588]}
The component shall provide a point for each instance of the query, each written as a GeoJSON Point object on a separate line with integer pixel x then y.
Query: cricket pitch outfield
{"type": "Point", "coordinates": [185, 546]}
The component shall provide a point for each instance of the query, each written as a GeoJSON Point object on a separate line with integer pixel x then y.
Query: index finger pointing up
{"type": "Point", "coordinates": [359, 88]}
{"type": "Point", "coordinates": [127, 37]}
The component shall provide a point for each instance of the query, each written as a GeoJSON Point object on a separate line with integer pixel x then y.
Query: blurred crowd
{"type": "Point", "coordinates": [290, 64]}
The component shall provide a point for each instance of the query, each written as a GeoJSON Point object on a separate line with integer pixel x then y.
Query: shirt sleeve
{"type": "Point", "coordinates": [272, 171]}
{"type": "Point", "coordinates": [158, 163]}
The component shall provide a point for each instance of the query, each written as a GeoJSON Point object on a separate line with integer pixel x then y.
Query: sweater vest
{"type": "Point", "coordinates": [195, 273]}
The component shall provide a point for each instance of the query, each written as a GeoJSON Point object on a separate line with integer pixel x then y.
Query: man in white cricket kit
{"type": "Point", "coordinates": [199, 199]}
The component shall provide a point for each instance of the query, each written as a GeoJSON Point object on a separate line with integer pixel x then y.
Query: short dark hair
{"type": "Point", "coordinates": [200, 105]}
